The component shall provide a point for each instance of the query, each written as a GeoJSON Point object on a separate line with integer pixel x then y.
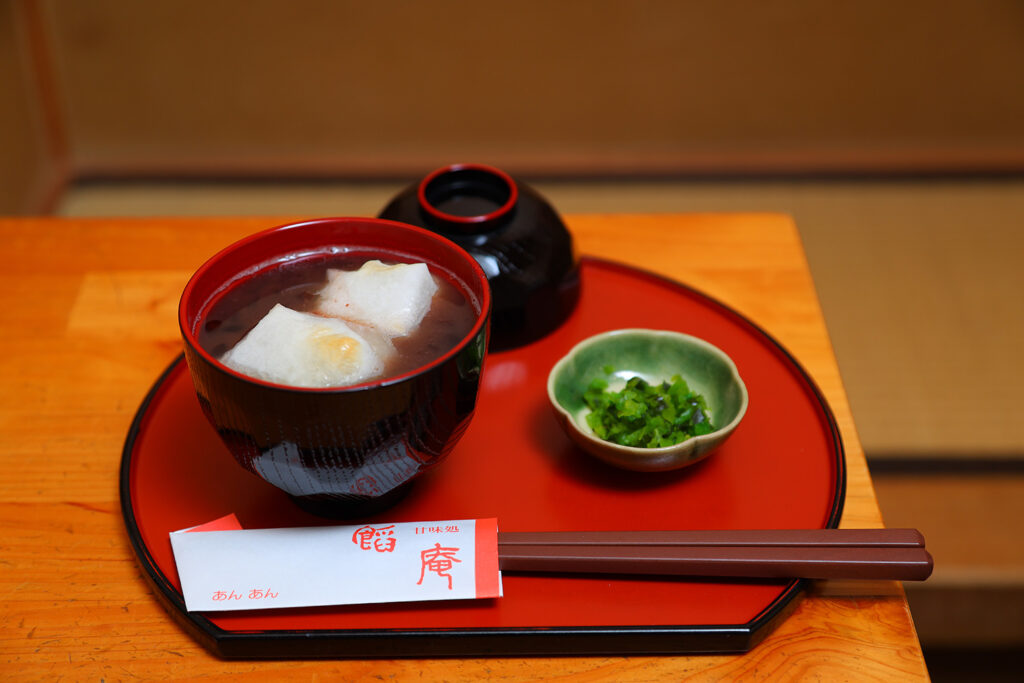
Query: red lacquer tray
{"type": "Point", "coordinates": [783, 468]}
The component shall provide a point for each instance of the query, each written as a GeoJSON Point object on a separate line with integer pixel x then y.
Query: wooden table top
{"type": "Point", "coordinates": [88, 322]}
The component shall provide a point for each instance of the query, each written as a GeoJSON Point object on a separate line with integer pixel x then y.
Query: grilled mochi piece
{"type": "Point", "coordinates": [307, 350]}
{"type": "Point", "coordinates": [393, 298]}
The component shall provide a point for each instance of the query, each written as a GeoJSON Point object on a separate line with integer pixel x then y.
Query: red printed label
{"type": "Point", "coordinates": [223, 567]}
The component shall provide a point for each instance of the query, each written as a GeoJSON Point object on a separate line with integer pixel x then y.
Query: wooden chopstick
{"type": "Point", "coordinates": [877, 538]}
{"type": "Point", "coordinates": [753, 554]}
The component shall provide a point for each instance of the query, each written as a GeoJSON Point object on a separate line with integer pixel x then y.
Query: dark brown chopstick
{"type": "Point", "coordinates": [877, 538]}
{"type": "Point", "coordinates": [866, 554]}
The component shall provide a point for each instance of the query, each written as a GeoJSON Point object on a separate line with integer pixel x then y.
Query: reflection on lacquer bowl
{"type": "Point", "coordinates": [339, 451]}
{"type": "Point", "coordinates": [654, 356]}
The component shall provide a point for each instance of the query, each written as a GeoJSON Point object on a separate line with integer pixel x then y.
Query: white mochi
{"type": "Point", "coordinates": [306, 350]}
{"type": "Point", "coordinates": [393, 299]}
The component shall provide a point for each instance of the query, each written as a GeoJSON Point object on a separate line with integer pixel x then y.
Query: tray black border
{"type": "Point", "coordinates": [502, 642]}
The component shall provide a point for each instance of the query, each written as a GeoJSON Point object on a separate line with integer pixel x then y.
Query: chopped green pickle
{"type": "Point", "coordinates": [646, 415]}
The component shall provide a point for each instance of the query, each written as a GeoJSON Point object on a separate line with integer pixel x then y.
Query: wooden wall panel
{"type": "Point", "coordinates": [32, 159]}
{"type": "Point", "coordinates": [581, 87]}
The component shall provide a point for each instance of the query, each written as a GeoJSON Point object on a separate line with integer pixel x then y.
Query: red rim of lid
{"type": "Point", "coordinates": [513, 194]}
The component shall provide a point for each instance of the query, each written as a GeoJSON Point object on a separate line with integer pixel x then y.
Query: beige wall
{"type": "Point", "coordinates": [355, 88]}
{"type": "Point", "coordinates": [575, 85]}
{"type": "Point", "coordinates": [30, 157]}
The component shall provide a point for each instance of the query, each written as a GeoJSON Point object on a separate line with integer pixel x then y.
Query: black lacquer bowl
{"type": "Point", "coordinates": [513, 233]}
{"type": "Point", "coordinates": [338, 451]}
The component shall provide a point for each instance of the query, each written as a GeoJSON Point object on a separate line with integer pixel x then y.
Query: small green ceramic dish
{"type": "Point", "coordinates": [654, 355]}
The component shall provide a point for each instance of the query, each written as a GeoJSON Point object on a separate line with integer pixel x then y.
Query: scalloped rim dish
{"type": "Point", "coordinates": [678, 455]}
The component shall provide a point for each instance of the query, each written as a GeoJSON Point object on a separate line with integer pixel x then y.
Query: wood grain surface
{"type": "Point", "coordinates": [88, 323]}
